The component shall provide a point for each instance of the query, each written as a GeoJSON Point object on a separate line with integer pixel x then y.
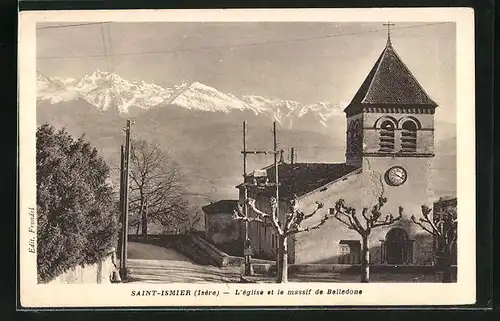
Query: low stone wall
{"type": "Point", "coordinates": [270, 269]}
{"type": "Point", "coordinates": [222, 258]}
{"type": "Point", "coordinates": [164, 240]}
{"type": "Point", "coordinates": [100, 272]}
{"type": "Point", "coordinates": [238, 260]}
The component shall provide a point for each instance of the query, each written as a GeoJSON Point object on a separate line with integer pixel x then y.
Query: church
{"type": "Point", "coordinates": [389, 152]}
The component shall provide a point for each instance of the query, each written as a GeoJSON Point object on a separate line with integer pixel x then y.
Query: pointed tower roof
{"type": "Point", "coordinates": [390, 82]}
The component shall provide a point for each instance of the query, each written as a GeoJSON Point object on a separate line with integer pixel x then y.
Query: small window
{"type": "Point", "coordinates": [344, 249]}
{"type": "Point", "coordinates": [349, 252]}
{"type": "Point", "coordinates": [386, 139]}
{"type": "Point", "coordinates": [344, 254]}
{"type": "Point", "coordinates": [409, 137]}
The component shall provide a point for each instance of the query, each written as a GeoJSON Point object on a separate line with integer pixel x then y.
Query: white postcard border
{"type": "Point", "coordinates": [119, 295]}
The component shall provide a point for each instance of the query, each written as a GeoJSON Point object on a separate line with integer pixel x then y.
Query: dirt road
{"type": "Point", "coordinates": [154, 264]}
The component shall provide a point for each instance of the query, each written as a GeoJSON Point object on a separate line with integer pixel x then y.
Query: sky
{"type": "Point", "coordinates": [308, 62]}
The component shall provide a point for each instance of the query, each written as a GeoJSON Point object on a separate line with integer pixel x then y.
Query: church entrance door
{"type": "Point", "coordinates": [396, 246]}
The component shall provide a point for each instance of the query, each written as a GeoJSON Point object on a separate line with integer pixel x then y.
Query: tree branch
{"type": "Point", "coordinates": [275, 216]}
{"type": "Point", "coordinates": [351, 222]}
{"type": "Point", "coordinates": [355, 218]}
{"type": "Point", "coordinates": [349, 226]}
{"type": "Point", "coordinates": [453, 240]}
{"type": "Point", "coordinates": [318, 207]}
{"type": "Point", "coordinates": [389, 219]}
{"type": "Point", "coordinates": [298, 216]}
{"type": "Point", "coordinates": [426, 218]}
{"type": "Point", "coordinates": [299, 229]}
{"type": "Point", "coordinates": [251, 203]}
{"type": "Point", "coordinates": [341, 208]}
{"type": "Point", "coordinates": [363, 212]}
{"type": "Point", "coordinates": [422, 226]}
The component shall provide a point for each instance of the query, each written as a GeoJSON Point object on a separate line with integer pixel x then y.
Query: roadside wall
{"type": "Point", "coordinates": [100, 272]}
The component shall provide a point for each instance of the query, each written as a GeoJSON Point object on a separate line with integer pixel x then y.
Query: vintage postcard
{"type": "Point", "coordinates": [221, 158]}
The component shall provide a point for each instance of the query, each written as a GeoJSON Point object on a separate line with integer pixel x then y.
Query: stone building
{"type": "Point", "coordinates": [221, 229]}
{"type": "Point", "coordinates": [390, 151]}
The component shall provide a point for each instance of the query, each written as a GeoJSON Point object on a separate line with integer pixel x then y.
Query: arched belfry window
{"type": "Point", "coordinates": [354, 138]}
{"type": "Point", "coordinates": [386, 138]}
{"type": "Point", "coordinates": [409, 136]}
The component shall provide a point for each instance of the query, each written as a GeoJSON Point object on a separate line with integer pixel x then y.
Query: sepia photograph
{"type": "Point", "coordinates": [227, 156]}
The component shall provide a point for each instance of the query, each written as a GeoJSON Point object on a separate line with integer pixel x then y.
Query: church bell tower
{"type": "Point", "coordinates": [390, 126]}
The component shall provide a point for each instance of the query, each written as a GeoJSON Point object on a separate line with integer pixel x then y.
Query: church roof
{"type": "Point", "coordinates": [301, 178]}
{"type": "Point", "coordinates": [222, 206]}
{"type": "Point", "coordinates": [390, 82]}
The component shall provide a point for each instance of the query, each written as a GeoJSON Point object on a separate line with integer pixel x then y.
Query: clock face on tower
{"type": "Point", "coordinates": [396, 176]}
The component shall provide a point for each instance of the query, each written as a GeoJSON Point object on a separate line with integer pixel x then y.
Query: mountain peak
{"type": "Point", "coordinates": [199, 96]}
{"type": "Point", "coordinates": [109, 91]}
{"type": "Point", "coordinates": [102, 76]}
{"type": "Point", "coordinates": [200, 86]}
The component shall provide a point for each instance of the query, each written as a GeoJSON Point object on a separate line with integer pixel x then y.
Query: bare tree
{"type": "Point", "coordinates": [443, 227]}
{"type": "Point", "coordinates": [372, 218]}
{"type": "Point", "coordinates": [156, 187]}
{"type": "Point", "coordinates": [290, 224]}
{"type": "Point", "coordinates": [191, 221]}
{"type": "Point", "coordinates": [183, 222]}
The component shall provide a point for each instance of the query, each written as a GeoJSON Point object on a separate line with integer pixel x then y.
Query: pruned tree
{"type": "Point", "coordinates": [371, 218]}
{"type": "Point", "coordinates": [443, 227]}
{"type": "Point", "coordinates": [157, 188]}
{"type": "Point", "coordinates": [291, 223]}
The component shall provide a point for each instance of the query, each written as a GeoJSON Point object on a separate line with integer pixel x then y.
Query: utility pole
{"type": "Point", "coordinates": [121, 234]}
{"type": "Point", "coordinates": [247, 243]}
{"type": "Point", "coordinates": [125, 192]}
{"type": "Point", "coordinates": [292, 156]}
{"type": "Point", "coordinates": [275, 149]}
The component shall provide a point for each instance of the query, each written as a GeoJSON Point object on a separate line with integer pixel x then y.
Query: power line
{"type": "Point", "coordinates": [72, 25]}
{"type": "Point", "coordinates": [241, 45]}
{"type": "Point", "coordinates": [104, 47]}
{"type": "Point", "coordinates": [110, 42]}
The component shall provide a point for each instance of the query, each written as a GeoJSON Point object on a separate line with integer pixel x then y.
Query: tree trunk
{"type": "Point", "coordinates": [446, 266]}
{"type": "Point", "coordinates": [365, 260]}
{"type": "Point", "coordinates": [144, 220]}
{"type": "Point", "coordinates": [283, 261]}
{"type": "Point", "coordinates": [278, 260]}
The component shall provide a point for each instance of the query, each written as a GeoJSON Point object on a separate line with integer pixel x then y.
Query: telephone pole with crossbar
{"type": "Point", "coordinates": [247, 249]}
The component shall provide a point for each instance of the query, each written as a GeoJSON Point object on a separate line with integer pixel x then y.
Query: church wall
{"type": "Point", "coordinates": [359, 190]}
{"type": "Point", "coordinates": [425, 141]}
{"type": "Point", "coordinates": [322, 245]}
{"type": "Point", "coordinates": [362, 190]}
{"type": "Point", "coordinates": [416, 191]}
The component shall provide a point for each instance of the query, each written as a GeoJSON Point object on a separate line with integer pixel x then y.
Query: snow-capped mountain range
{"type": "Point", "coordinates": [107, 91]}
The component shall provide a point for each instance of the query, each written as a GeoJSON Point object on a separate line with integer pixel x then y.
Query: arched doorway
{"type": "Point", "coordinates": [396, 246]}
